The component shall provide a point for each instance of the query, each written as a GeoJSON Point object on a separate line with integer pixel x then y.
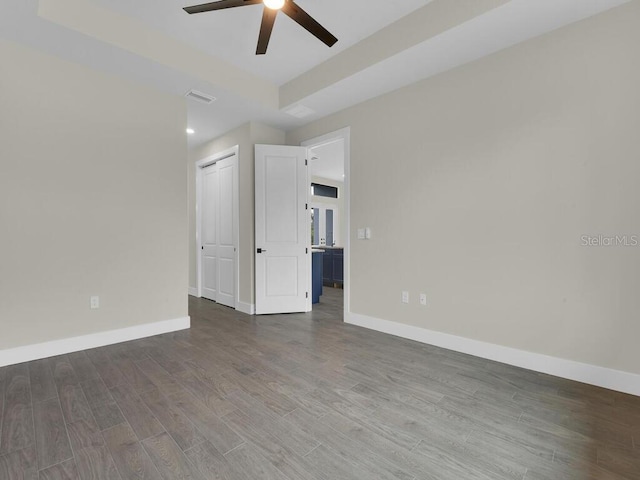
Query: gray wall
{"type": "Point", "coordinates": [93, 200]}
{"type": "Point", "coordinates": [479, 183]}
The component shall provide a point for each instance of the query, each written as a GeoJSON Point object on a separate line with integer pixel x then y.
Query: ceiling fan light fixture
{"type": "Point", "coordinates": [269, 14]}
{"type": "Point", "coordinates": [274, 4]}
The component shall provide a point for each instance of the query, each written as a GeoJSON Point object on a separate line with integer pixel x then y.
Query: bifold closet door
{"type": "Point", "coordinates": [218, 232]}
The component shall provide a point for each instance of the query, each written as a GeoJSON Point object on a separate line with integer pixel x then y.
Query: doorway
{"type": "Point", "coordinates": [329, 223]}
{"type": "Point", "coordinates": [217, 218]}
{"type": "Point", "coordinates": [284, 255]}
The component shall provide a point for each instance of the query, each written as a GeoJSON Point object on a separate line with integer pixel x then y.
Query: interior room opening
{"type": "Point", "coordinates": [327, 222]}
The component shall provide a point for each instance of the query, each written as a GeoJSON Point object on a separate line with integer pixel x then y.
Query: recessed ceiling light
{"type": "Point", "coordinates": [190, 131]}
{"type": "Point", "coordinates": [274, 4]}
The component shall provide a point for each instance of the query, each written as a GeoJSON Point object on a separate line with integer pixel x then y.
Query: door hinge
{"type": "Point", "coordinates": [306, 162]}
{"type": "Point", "coordinates": [306, 250]}
{"type": "Point", "coordinates": [307, 295]}
{"type": "Point", "coordinates": [306, 206]}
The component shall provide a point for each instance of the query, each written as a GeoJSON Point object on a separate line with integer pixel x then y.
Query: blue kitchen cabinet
{"type": "Point", "coordinates": [316, 275]}
{"type": "Point", "coordinates": [333, 266]}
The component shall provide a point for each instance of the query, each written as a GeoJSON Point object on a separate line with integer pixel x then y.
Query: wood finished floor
{"type": "Point", "coordinates": [304, 397]}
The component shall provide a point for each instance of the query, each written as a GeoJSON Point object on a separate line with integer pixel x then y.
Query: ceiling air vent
{"type": "Point", "coordinates": [200, 97]}
{"type": "Point", "coordinates": [299, 111]}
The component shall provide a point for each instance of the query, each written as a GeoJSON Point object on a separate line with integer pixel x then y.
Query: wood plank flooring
{"type": "Point", "coordinates": [304, 397]}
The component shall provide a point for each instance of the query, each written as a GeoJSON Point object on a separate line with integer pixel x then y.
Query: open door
{"type": "Point", "coordinates": [283, 274]}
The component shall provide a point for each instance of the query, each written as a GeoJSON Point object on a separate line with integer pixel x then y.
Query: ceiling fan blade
{"type": "Point", "coordinates": [309, 23]}
{"type": "Point", "coordinates": [268, 19]}
{"type": "Point", "coordinates": [220, 5]}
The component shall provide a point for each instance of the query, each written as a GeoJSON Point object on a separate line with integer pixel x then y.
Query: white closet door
{"type": "Point", "coordinates": [226, 232]}
{"type": "Point", "coordinates": [219, 231]}
{"type": "Point", "coordinates": [209, 224]}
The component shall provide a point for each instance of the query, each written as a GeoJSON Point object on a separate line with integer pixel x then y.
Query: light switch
{"type": "Point", "coordinates": [361, 234]}
{"type": "Point", "coordinates": [367, 233]}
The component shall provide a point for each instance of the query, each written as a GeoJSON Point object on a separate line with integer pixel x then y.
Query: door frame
{"type": "Point", "coordinates": [345, 135]}
{"type": "Point", "coordinates": [199, 166]}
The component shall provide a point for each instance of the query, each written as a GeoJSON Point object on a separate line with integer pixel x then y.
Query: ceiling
{"type": "Point", "coordinates": [384, 45]}
{"type": "Point", "coordinates": [232, 34]}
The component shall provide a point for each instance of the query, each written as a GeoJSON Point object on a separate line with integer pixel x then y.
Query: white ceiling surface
{"type": "Point", "coordinates": [232, 34]}
{"type": "Point", "coordinates": [224, 34]}
{"type": "Point", "coordinates": [327, 161]}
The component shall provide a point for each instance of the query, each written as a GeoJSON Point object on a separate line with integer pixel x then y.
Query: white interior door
{"type": "Point", "coordinates": [209, 224]}
{"type": "Point", "coordinates": [219, 233]}
{"type": "Point", "coordinates": [226, 232]}
{"type": "Point", "coordinates": [283, 273]}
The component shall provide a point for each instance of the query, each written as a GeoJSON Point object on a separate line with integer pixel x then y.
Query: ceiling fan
{"type": "Point", "coordinates": [289, 7]}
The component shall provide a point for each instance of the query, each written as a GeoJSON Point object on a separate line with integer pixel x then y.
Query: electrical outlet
{"type": "Point", "coordinates": [405, 297]}
{"type": "Point", "coordinates": [423, 299]}
{"type": "Point", "coordinates": [95, 302]}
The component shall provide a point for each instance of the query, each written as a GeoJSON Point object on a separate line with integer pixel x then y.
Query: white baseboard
{"type": "Point", "coordinates": [193, 291]}
{"type": "Point", "coordinates": [28, 353]}
{"type": "Point", "coordinates": [582, 372]}
{"type": "Point", "coordinates": [248, 308]}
